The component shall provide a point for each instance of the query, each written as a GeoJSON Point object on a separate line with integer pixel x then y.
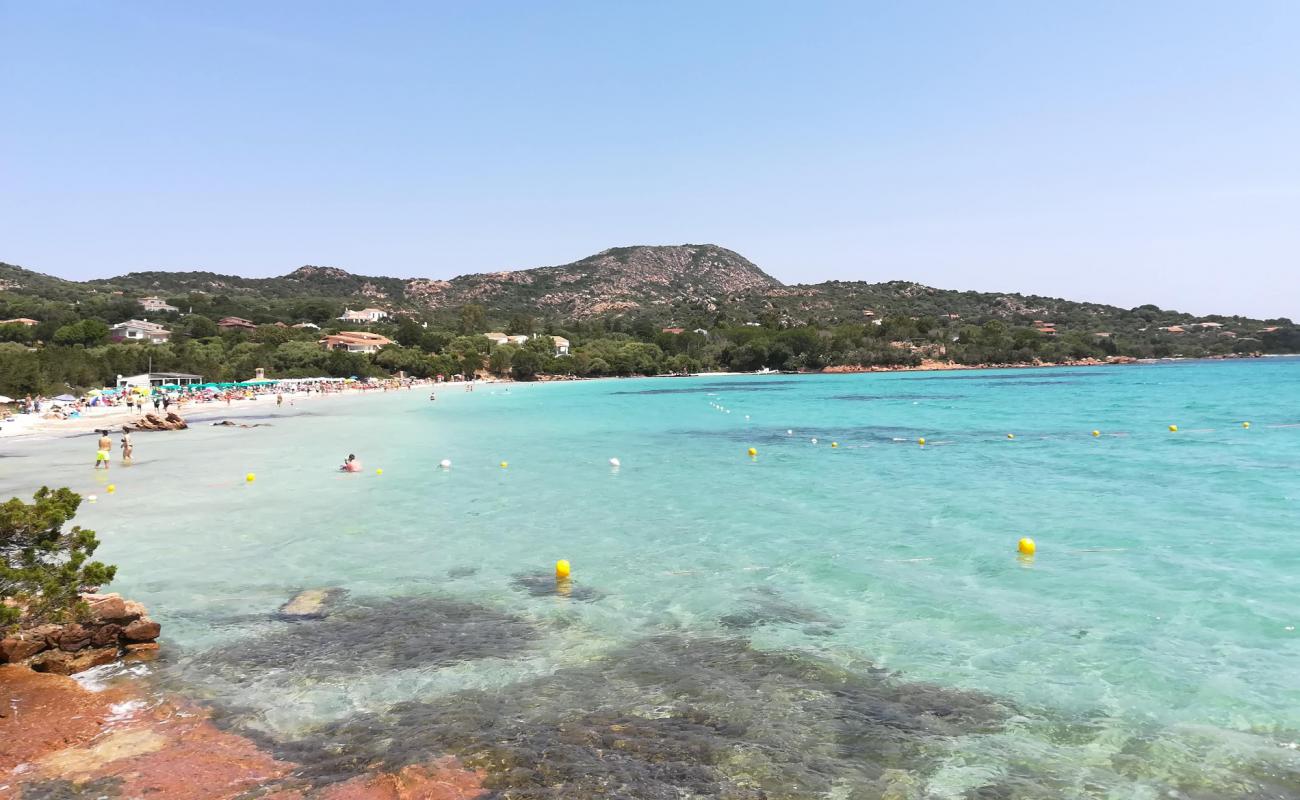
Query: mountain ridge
{"type": "Point", "coordinates": [664, 281]}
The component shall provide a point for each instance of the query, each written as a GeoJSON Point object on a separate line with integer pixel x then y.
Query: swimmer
{"type": "Point", "coordinates": [279, 399]}
{"type": "Point", "coordinates": [128, 449]}
{"type": "Point", "coordinates": [105, 447]}
{"type": "Point", "coordinates": [351, 465]}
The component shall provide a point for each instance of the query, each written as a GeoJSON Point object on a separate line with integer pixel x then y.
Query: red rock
{"type": "Point", "coordinates": [161, 751]}
{"type": "Point", "coordinates": [142, 630]}
{"type": "Point", "coordinates": [444, 779]}
{"type": "Point", "coordinates": [105, 635]}
{"type": "Point", "coordinates": [74, 637]}
{"type": "Point", "coordinates": [14, 648]}
{"type": "Point", "coordinates": [135, 610]}
{"type": "Point", "coordinates": [54, 712]}
{"type": "Point", "coordinates": [61, 662]}
{"type": "Point", "coordinates": [55, 661]}
{"type": "Point", "coordinates": [108, 608]}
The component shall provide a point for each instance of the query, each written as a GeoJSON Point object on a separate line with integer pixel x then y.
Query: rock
{"type": "Point", "coordinates": [61, 662]}
{"type": "Point", "coordinates": [15, 648]}
{"type": "Point", "coordinates": [142, 630]}
{"type": "Point", "coordinates": [134, 610]}
{"type": "Point", "coordinates": [55, 661]}
{"type": "Point", "coordinates": [94, 658]}
{"type": "Point", "coordinates": [48, 632]}
{"type": "Point", "coordinates": [110, 608]}
{"type": "Point", "coordinates": [307, 604]}
{"type": "Point", "coordinates": [105, 635]}
{"type": "Point", "coordinates": [74, 637]}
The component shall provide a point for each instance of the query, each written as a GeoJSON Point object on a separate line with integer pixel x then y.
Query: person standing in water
{"type": "Point", "coordinates": [279, 399]}
{"type": "Point", "coordinates": [128, 449]}
{"type": "Point", "coordinates": [105, 448]}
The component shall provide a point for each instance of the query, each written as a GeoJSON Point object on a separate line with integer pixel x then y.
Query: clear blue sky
{"type": "Point", "coordinates": [1123, 152]}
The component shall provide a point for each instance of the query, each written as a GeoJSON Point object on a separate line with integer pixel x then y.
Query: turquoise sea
{"type": "Point", "coordinates": [842, 622]}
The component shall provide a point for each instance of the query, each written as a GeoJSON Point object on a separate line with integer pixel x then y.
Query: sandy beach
{"type": "Point", "coordinates": [114, 417]}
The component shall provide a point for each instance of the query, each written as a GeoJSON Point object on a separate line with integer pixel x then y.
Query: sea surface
{"type": "Point", "coordinates": [844, 618]}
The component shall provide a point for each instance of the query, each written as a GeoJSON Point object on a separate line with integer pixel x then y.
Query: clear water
{"type": "Point", "coordinates": [1150, 646]}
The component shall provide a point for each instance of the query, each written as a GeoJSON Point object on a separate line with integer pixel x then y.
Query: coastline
{"type": "Point", "coordinates": [114, 418]}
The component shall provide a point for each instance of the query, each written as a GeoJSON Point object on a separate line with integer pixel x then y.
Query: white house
{"type": "Point", "coordinates": [355, 342]}
{"type": "Point", "coordinates": [364, 315]}
{"type": "Point", "coordinates": [156, 304]}
{"type": "Point", "coordinates": [504, 338]}
{"type": "Point", "coordinates": [158, 379]}
{"type": "Point", "coordinates": [561, 345]}
{"type": "Point", "coordinates": [139, 330]}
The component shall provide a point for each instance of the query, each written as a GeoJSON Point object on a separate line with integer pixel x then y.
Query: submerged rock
{"type": "Point", "coordinates": [309, 604]}
{"type": "Point", "coordinates": [767, 607]}
{"type": "Point", "coordinates": [386, 634]}
{"type": "Point", "coordinates": [549, 586]}
{"type": "Point", "coordinates": [668, 717]}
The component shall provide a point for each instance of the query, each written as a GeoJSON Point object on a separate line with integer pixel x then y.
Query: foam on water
{"type": "Point", "coordinates": [1149, 646]}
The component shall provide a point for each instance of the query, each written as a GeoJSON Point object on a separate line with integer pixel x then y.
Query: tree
{"type": "Point", "coordinates": [86, 332]}
{"type": "Point", "coordinates": [526, 364]}
{"type": "Point", "coordinates": [42, 566]}
{"type": "Point", "coordinates": [500, 360]}
{"type": "Point", "coordinates": [521, 324]}
{"type": "Point", "coordinates": [473, 319]}
{"type": "Point", "coordinates": [200, 327]}
{"type": "Point", "coordinates": [409, 333]}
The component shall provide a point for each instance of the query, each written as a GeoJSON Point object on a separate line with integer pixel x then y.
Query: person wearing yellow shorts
{"type": "Point", "coordinates": [105, 450]}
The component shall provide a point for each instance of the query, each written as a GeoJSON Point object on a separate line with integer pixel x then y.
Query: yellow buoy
{"type": "Point", "coordinates": [1026, 546]}
{"type": "Point", "coordinates": [250, 477]}
{"type": "Point", "coordinates": [753, 451]}
{"type": "Point", "coordinates": [921, 442]}
{"type": "Point", "coordinates": [1173, 429]}
{"type": "Point", "coordinates": [1096, 433]}
{"type": "Point", "coordinates": [112, 487]}
{"type": "Point", "coordinates": [505, 464]}
{"type": "Point", "coordinates": [1245, 424]}
{"type": "Point", "coordinates": [1011, 436]}
{"type": "Point", "coordinates": [562, 569]}
{"type": "Point", "coordinates": [379, 472]}
{"type": "Point", "coordinates": [835, 444]}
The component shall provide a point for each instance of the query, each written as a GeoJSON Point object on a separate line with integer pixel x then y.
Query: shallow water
{"type": "Point", "coordinates": [845, 622]}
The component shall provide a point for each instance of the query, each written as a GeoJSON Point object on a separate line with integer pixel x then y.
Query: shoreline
{"type": "Point", "coordinates": [113, 418]}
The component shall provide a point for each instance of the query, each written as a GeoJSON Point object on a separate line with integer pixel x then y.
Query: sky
{"type": "Point", "coordinates": [1116, 152]}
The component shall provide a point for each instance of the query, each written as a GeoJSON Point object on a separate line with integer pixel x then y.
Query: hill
{"type": "Point", "coordinates": [703, 286]}
{"type": "Point", "coordinates": [618, 280]}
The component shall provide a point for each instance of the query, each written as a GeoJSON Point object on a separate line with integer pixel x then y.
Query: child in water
{"type": "Point", "coordinates": [351, 465]}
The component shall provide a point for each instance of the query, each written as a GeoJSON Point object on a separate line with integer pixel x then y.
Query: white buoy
{"type": "Point", "coordinates": [614, 462]}
{"type": "Point", "coordinates": [789, 433]}
{"type": "Point", "coordinates": [445, 463]}
{"type": "Point", "coordinates": [814, 441]}
{"type": "Point", "coordinates": [746, 417]}
{"type": "Point", "coordinates": [92, 497]}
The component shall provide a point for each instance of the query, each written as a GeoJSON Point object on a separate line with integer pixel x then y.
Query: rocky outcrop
{"type": "Point", "coordinates": [112, 628]}
{"type": "Point", "coordinates": [59, 740]}
{"type": "Point", "coordinates": [171, 421]}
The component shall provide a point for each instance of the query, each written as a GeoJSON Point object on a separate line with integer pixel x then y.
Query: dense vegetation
{"type": "Point", "coordinates": [42, 566]}
{"type": "Point", "coordinates": [849, 325]}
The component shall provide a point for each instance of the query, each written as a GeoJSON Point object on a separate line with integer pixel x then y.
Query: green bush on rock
{"type": "Point", "coordinates": [43, 568]}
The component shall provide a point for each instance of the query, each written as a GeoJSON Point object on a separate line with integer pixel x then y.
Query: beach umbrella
{"type": "Point", "coordinates": [94, 393]}
{"type": "Point", "coordinates": [66, 398]}
{"type": "Point", "coordinates": [6, 399]}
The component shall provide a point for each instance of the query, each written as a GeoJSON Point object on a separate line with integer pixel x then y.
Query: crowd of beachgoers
{"type": "Point", "coordinates": [105, 408]}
